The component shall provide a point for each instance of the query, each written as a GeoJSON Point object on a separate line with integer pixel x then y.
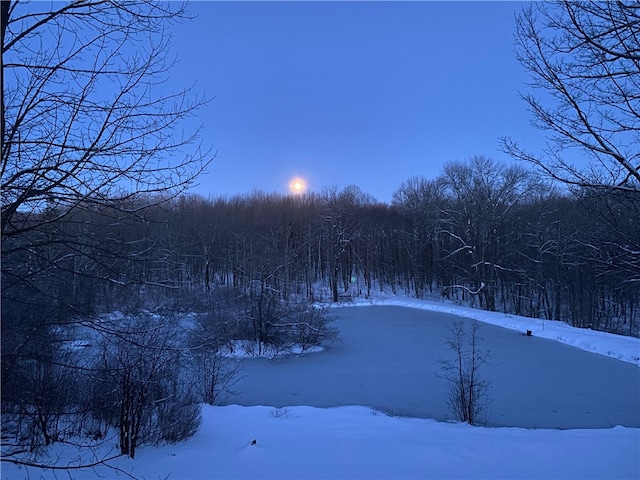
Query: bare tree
{"type": "Point", "coordinates": [212, 340]}
{"type": "Point", "coordinates": [467, 396]}
{"type": "Point", "coordinates": [86, 124]}
{"type": "Point", "coordinates": [483, 195]}
{"type": "Point", "coordinates": [46, 397]}
{"type": "Point", "coordinates": [90, 140]}
{"type": "Point", "coordinates": [342, 231]}
{"type": "Point", "coordinates": [145, 392]}
{"type": "Point", "coordinates": [584, 60]}
{"type": "Point", "coordinates": [419, 200]}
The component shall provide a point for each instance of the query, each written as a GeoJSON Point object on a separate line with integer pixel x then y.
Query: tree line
{"type": "Point", "coordinates": [481, 233]}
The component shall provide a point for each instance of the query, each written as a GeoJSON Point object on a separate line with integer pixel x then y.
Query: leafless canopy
{"type": "Point", "coordinates": [584, 61]}
{"type": "Point", "coordinates": [91, 130]}
{"type": "Point", "coordinates": [88, 115]}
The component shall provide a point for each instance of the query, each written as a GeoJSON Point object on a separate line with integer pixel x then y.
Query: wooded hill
{"type": "Point", "coordinates": [481, 233]}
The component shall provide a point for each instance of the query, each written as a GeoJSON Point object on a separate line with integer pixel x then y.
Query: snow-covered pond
{"type": "Point", "coordinates": [388, 358]}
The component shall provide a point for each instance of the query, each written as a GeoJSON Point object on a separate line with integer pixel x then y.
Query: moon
{"type": "Point", "coordinates": [297, 185]}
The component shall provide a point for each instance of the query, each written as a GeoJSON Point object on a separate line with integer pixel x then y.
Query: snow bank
{"type": "Point", "coordinates": [626, 349]}
{"type": "Point", "coordinates": [357, 442]}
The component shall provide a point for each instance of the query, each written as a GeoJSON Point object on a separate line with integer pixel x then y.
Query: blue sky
{"type": "Point", "coordinates": [363, 93]}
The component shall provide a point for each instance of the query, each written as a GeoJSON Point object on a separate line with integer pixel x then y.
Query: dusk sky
{"type": "Point", "coordinates": [362, 93]}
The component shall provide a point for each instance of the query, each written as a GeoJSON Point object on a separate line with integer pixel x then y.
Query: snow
{"type": "Point", "coordinates": [626, 349]}
{"type": "Point", "coordinates": [389, 358]}
{"type": "Point", "coordinates": [357, 442]}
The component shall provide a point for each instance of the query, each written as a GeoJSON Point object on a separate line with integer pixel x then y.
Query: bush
{"type": "Point", "coordinates": [141, 387]}
{"type": "Point", "coordinates": [467, 396]}
{"type": "Point", "coordinates": [178, 420]}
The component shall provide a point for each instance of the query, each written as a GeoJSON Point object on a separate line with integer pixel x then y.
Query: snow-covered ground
{"type": "Point", "coordinates": [623, 348]}
{"type": "Point", "coordinates": [357, 442]}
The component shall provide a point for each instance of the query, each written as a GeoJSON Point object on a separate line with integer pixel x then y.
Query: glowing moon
{"type": "Point", "coordinates": [297, 185]}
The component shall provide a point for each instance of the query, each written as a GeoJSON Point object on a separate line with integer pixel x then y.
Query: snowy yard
{"type": "Point", "coordinates": [359, 442]}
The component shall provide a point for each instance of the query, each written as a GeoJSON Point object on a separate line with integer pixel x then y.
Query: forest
{"type": "Point", "coordinates": [119, 315]}
{"type": "Point", "coordinates": [481, 233]}
{"type": "Point", "coordinates": [123, 295]}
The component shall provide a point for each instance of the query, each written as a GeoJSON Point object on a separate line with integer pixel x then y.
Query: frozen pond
{"type": "Point", "coordinates": [388, 358]}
